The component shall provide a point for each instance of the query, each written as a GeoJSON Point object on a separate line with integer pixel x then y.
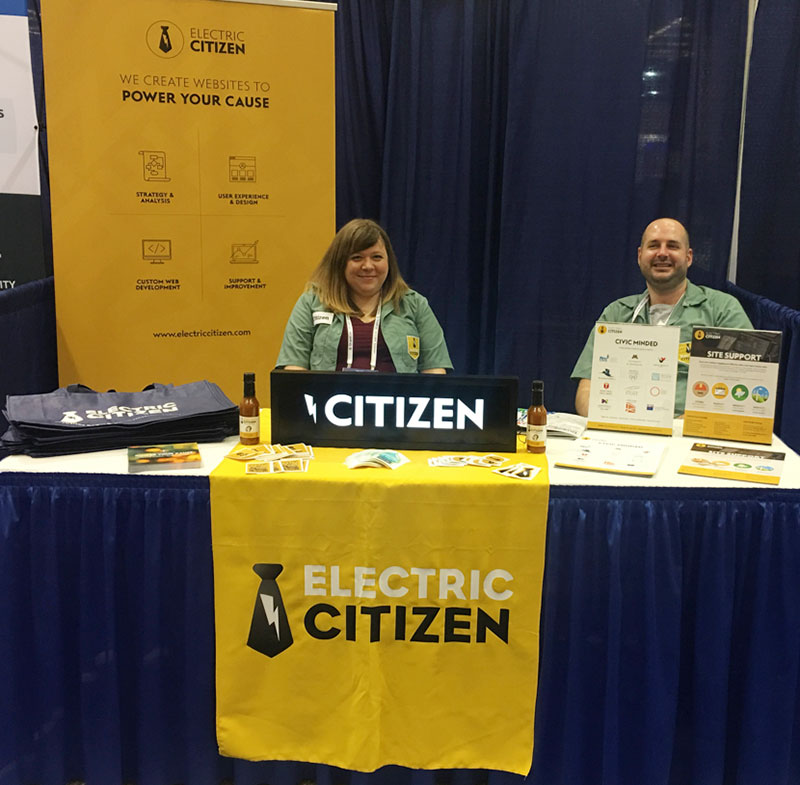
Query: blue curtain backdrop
{"type": "Point", "coordinates": [28, 334]}
{"type": "Point", "coordinates": [515, 150]}
{"type": "Point", "coordinates": [769, 233]}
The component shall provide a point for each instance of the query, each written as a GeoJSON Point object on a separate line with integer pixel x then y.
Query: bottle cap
{"type": "Point", "coordinates": [249, 377]}
{"type": "Point", "coordinates": [538, 384]}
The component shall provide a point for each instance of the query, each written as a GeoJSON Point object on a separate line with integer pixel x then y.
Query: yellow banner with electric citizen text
{"type": "Point", "coordinates": [367, 617]}
{"type": "Point", "coordinates": [192, 182]}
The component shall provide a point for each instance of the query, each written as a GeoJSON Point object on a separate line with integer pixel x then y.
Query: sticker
{"type": "Point", "coordinates": [413, 346]}
{"type": "Point", "coordinates": [684, 351]}
{"type": "Point", "coordinates": [322, 317]}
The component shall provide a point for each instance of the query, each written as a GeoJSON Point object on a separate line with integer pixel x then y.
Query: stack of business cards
{"type": "Point", "coordinates": [449, 460]}
{"type": "Point", "coordinates": [273, 458]}
{"type": "Point", "coordinates": [387, 459]}
{"type": "Point", "coordinates": [518, 471]}
{"type": "Point", "coordinates": [280, 466]}
{"type": "Point", "coordinates": [487, 461]}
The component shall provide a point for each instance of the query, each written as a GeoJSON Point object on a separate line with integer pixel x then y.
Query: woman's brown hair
{"type": "Point", "coordinates": [328, 281]}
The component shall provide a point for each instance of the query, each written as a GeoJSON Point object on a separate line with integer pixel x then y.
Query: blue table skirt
{"type": "Point", "coordinates": [670, 639]}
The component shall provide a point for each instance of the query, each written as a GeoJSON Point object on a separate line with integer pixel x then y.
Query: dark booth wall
{"type": "Point", "coordinates": [515, 150]}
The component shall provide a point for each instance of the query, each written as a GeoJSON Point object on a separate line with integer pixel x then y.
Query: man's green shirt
{"type": "Point", "coordinates": [701, 306]}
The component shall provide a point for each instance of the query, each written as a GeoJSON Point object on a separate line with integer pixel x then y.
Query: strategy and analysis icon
{"type": "Point", "coordinates": [156, 251]}
{"type": "Point", "coordinates": [154, 166]}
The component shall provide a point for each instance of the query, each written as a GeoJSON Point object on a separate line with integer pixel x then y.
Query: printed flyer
{"type": "Point", "coordinates": [732, 463]}
{"type": "Point", "coordinates": [634, 370]}
{"type": "Point", "coordinates": [608, 455]}
{"type": "Point", "coordinates": [732, 385]}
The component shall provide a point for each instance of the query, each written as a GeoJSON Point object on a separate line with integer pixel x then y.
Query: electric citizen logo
{"type": "Point", "coordinates": [165, 39]}
{"type": "Point", "coordinates": [408, 618]}
{"type": "Point", "coordinates": [269, 629]}
{"type": "Point", "coordinates": [397, 411]}
{"type": "Point", "coordinates": [117, 412]}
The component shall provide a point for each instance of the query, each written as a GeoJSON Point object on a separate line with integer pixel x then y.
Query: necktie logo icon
{"type": "Point", "coordinates": [165, 45]}
{"type": "Point", "coordinates": [165, 39]}
{"type": "Point", "coordinates": [269, 629]}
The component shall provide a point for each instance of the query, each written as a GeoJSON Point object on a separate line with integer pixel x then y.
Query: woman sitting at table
{"type": "Point", "coordinates": [357, 313]}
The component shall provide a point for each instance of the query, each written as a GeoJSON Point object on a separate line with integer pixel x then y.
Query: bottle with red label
{"type": "Point", "coordinates": [536, 437]}
{"type": "Point", "coordinates": [249, 427]}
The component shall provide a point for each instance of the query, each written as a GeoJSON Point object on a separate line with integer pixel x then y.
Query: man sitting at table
{"type": "Point", "coordinates": [670, 299]}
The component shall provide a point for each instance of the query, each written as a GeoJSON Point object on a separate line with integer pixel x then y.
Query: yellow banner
{"type": "Point", "coordinates": [191, 151]}
{"type": "Point", "coordinates": [367, 617]}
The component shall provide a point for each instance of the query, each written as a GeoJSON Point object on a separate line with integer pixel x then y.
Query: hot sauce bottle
{"type": "Point", "coordinates": [536, 436]}
{"type": "Point", "coordinates": [249, 429]}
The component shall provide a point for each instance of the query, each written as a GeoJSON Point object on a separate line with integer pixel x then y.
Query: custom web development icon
{"type": "Point", "coordinates": [269, 629]}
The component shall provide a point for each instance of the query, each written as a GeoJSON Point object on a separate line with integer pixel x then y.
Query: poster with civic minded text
{"type": "Point", "coordinates": [634, 370]}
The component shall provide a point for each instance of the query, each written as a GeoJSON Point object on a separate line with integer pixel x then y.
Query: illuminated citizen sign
{"type": "Point", "coordinates": [416, 411]}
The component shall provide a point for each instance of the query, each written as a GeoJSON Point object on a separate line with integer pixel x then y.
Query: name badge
{"type": "Point", "coordinates": [413, 346]}
{"type": "Point", "coordinates": [322, 317]}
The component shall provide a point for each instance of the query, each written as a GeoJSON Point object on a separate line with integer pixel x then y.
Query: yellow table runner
{"type": "Point", "coordinates": [367, 617]}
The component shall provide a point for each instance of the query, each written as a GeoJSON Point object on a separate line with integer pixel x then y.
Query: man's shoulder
{"type": "Point", "coordinates": [726, 308]}
{"type": "Point", "coordinates": [697, 293]}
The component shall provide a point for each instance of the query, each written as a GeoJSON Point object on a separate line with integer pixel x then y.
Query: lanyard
{"type": "Point", "coordinates": [373, 358]}
{"type": "Point", "coordinates": [646, 299]}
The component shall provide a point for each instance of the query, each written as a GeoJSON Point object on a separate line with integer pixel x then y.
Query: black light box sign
{"type": "Point", "coordinates": [415, 411]}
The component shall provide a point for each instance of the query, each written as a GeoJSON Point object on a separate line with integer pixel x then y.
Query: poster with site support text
{"type": "Point", "coordinates": [634, 370]}
{"type": "Point", "coordinates": [732, 385]}
{"type": "Point", "coordinates": [192, 174]}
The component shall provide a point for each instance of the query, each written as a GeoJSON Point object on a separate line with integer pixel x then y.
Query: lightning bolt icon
{"type": "Point", "coordinates": [272, 612]}
{"type": "Point", "coordinates": [311, 406]}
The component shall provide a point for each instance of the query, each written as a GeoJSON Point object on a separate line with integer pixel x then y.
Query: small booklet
{"type": "Point", "coordinates": [565, 424]}
{"type": "Point", "coordinates": [599, 454]}
{"type": "Point", "coordinates": [185, 455]}
{"type": "Point", "coordinates": [733, 463]}
{"type": "Point", "coordinates": [388, 459]}
{"type": "Point", "coordinates": [558, 423]}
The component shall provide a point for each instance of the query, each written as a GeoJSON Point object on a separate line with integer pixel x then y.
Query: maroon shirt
{"type": "Point", "coordinates": [362, 348]}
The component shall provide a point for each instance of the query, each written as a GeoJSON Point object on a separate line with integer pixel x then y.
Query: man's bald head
{"type": "Point", "coordinates": [665, 222]}
{"type": "Point", "coordinates": [664, 258]}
